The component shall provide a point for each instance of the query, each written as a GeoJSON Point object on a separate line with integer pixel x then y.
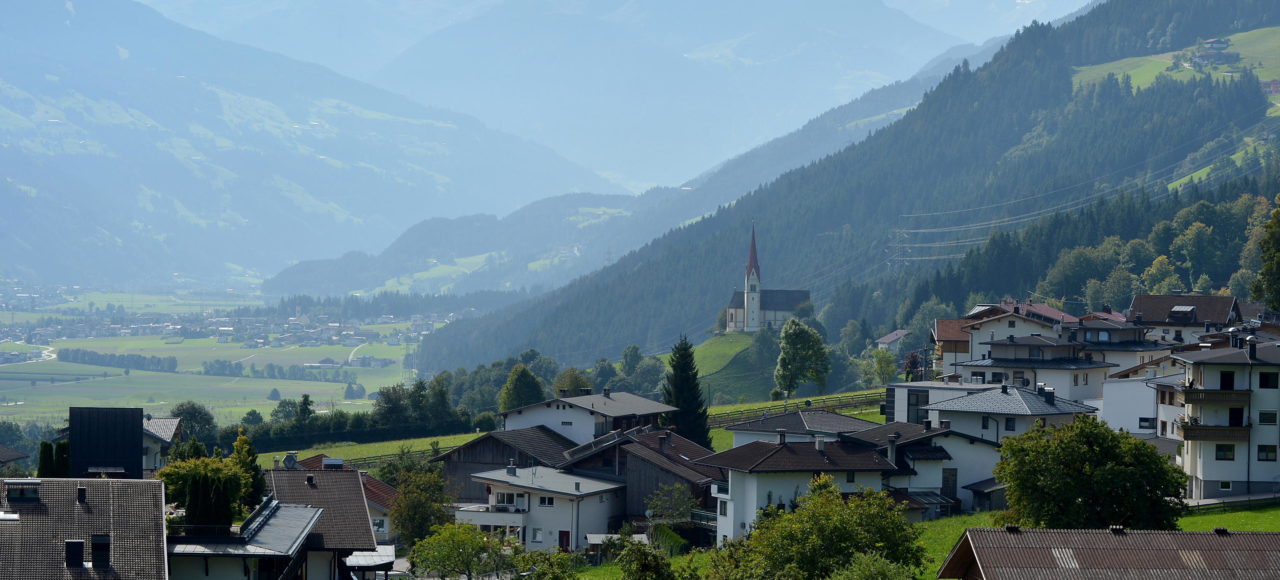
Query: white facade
{"type": "Point", "coordinates": [1140, 406]}
{"type": "Point", "coordinates": [1231, 435]}
{"type": "Point", "coordinates": [575, 423]}
{"type": "Point", "coordinates": [999, 327]}
{"type": "Point", "coordinates": [739, 505]}
{"type": "Point", "coordinates": [904, 401]}
{"type": "Point", "coordinates": [995, 427]}
{"type": "Point", "coordinates": [546, 520]}
{"type": "Point", "coordinates": [972, 462]}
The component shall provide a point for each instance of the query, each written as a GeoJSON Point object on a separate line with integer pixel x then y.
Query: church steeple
{"type": "Point", "coordinates": [753, 264]}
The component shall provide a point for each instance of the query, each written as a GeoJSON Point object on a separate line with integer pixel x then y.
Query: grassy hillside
{"type": "Point", "coordinates": [356, 450]}
{"type": "Point", "coordinates": [716, 352]}
{"type": "Point", "coordinates": [1259, 49]}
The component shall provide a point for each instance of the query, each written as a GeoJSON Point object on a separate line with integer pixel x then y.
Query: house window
{"type": "Point", "coordinates": [1268, 380]}
{"type": "Point", "coordinates": [1075, 379]}
{"type": "Point", "coordinates": [1013, 324]}
{"type": "Point", "coordinates": [1146, 422]}
{"type": "Point", "coordinates": [1227, 380]}
{"type": "Point", "coordinates": [724, 508]}
{"type": "Point", "coordinates": [546, 501]}
{"type": "Point", "coordinates": [566, 423]}
{"type": "Point", "coordinates": [986, 423]}
{"type": "Point", "coordinates": [1266, 453]}
{"type": "Point", "coordinates": [379, 525]}
{"type": "Point", "coordinates": [848, 477]}
{"type": "Point", "coordinates": [1036, 352]}
{"type": "Point", "coordinates": [1104, 336]}
{"type": "Point", "coordinates": [753, 287]}
{"type": "Point", "coordinates": [1164, 428]}
{"type": "Point", "coordinates": [1010, 424]}
{"type": "Point", "coordinates": [1266, 417]}
{"type": "Point", "coordinates": [1224, 452]}
{"type": "Point", "coordinates": [537, 534]}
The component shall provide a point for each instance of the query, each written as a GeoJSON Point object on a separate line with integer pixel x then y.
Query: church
{"type": "Point", "coordinates": [753, 308]}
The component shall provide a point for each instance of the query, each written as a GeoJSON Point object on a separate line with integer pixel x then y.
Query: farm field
{"type": "Point", "coordinates": [356, 450]}
{"type": "Point", "coordinates": [1260, 48]}
{"type": "Point", "coordinates": [161, 303]}
{"type": "Point", "coordinates": [59, 385]}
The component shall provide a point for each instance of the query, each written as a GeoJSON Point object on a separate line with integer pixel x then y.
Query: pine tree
{"type": "Point", "coordinates": [521, 389]}
{"type": "Point", "coordinates": [682, 391]}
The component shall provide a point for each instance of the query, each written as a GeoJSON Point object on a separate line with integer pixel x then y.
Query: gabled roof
{"type": "Point", "coordinates": [1010, 401]}
{"type": "Point", "coordinates": [763, 456]}
{"type": "Point", "coordinates": [948, 330]}
{"type": "Point", "coordinates": [893, 336]}
{"type": "Point", "coordinates": [344, 525]}
{"type": "Point", "coordinates": [1039, 311]}
{"type": "Point", "coordinates": [130, 511]}
{"type": "Point", "coordinates": [804, 422]}
{"type": "Point", "coordinates": [677, 455]}
{"type": "Point", "coordinates": [1156, 308]}
{"type": "Point", "coordinates": [1268, 355]}
{"type": "Point", "coordinates": [611, 405]}
{"type": "Point", "coordinates": [548, 480]}
{"type": "Point", "coordinates": [7, 455]}
{"type": "Point", "coordinates": [163, 428]}
{"type": "Point", "coordinates": [1067, 364]}
{"type": "Point", "coordinates": [1033, 340]}
{"type": "Point", "coordinates": [376, 491]}
{"type": "Point", "coordinates": [980, 321]}
{"type": "Point", "coordinates": [778, 300]}
{"type": "Point", "coordinates": [878, 436]}
{"type": "Point", "coordinates": [1013, 553]}
{"type": "Point", "coordinates": [538, 442]}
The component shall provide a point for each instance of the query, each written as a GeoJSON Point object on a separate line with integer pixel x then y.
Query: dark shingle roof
{"type": "Point", "coordinates": [1156, 308]}
{"type": "Point", "coordinates": [802, 421]}
{"type": "Point", "coordinates": [1010, 401]}
{"type": "Point", "coordinates": [678, 454]}
{"type": "Point", "coordinates": [1031, 363]}
{"type": "Point", "coordinates": [1268, 355]}
{"type": "Point", "coordinates": [762, 456]}
{"type": "Point", "coordinates": [1034, 340]}
{"type": "Point", "coordinates": [1101, 554]}
{"type": "Point", "coordinates": [612, 405]}
{"type": "Point", "coordinates": [926, 452]}
{"type": "Point", "coordinates": [538, 442]}
{"type": "Point", "coordinates": [893, 336]}
{"type": "Point", "coordinates": [878, 436]}
{"type": "Point", "coordinates": [7, 455]}
{"type": "Point", "coordinates": [376, 491]}
{"type": "Point", "coordinates": [780, 300]}
{"type": "Point", "coordinates": [131, 511]}
{"type": "Point", "coordinates": [344, 525]}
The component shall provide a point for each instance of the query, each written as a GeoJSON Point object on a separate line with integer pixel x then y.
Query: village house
{"type": "Point", "coordinates": [1182, 318]}
{"type": "Point", "coordinates": [753, 307]}
{"type": "Point", "coordinates": [82, 528]}
{"type": "Point", "coordinates": [1016, 553]}
{"type": "Point", "coordinates": [1146, 405]}
{"type": "Point", "coordinates": [1229, 426]}
{"type": "Point", "coordinates": [932, 462]}
{"type": "Point", "coordinates": [763, 474]}
{"type": "Point", "coordinates": [270, 543]}
{"type": "Point", "coordinates": [378, 494]}
{"type": "Point", "coordinates": [546, 508]}
{"type": "Point", "coordinates": [998, 413]}
{"type": "Point", "coordinates": [8, 455]}
{"type": "Point", "coordinates": [905, 402]}
{"type": "Point", "coordinates": [343, 528]}
{"type": "Point", "coordinates": [893, 341]}
{"type": "Point", "coordinates": [532, 446]}
{"type": "Point", "coordinates": [1041, 361]}
{"type": "Point", "coordinates": [797, 426]}
{"type": "Point", "coordinates": [583, 418]}
{"type": "Point", "coordinates": [105, 441]}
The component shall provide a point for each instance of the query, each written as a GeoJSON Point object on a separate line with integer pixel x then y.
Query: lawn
{"type": "Point", "coordinates": [716, 352]}
{"type": "Point", "coordinates": [356, 450]}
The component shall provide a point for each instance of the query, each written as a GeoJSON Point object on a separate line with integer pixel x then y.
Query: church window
{"type": "Point", "coordinates": [753, 287]}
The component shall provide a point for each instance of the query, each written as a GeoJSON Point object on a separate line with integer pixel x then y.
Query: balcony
{"type": "Point", "coordinates": [720, 489]}
{"type": "Point", "coordinates": [1214, 397]}
{"type": "Point", "coordinates": [486, 515]}
{"type": "Point", "coordinates": [703, 518]}
{"type": "Point", "coordinates": [1193, 431]}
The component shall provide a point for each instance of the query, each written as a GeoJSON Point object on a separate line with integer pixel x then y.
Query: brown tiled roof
{"type": "Point", "coordinates": [948, 330]}
{"type": "Point", "coordinates": [130, 511]}
{"type": "Point", "coordinates": [344, 524]}
{"type": "Point", "coordinates": [1155, 308]}
{"type": "Point", "coordinates": [1000, 554]}
{"type": "Point", "coordinates": [679, 456]}
{"type": "Point", "coordinates": [376, 491]}
{"type": "Point", "coordinates": [7, 455]}
{"type": "Point", "coordinates": [763, 456]}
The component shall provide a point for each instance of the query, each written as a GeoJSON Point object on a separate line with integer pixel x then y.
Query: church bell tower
{"type": "Point", "coordinates": [751, 289]}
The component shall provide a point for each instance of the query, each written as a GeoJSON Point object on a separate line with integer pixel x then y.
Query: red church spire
{"type": "Point", "coordinates": [753, 264]}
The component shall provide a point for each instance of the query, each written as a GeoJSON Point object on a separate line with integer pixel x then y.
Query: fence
{"type": "Point", "coordinates": [851, 400]}
{"type": "Point", "coordinates": [1229, 504]}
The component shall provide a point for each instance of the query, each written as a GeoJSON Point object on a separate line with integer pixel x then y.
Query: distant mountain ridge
{"type": "Point", "coordinates": [979, 150]}
{"type": "Point", "coordinates": [158, 154]}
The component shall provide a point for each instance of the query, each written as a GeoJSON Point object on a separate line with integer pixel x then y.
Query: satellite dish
{"type": "Point", "coordinates": [648, 514]}
{"type": "Point", "coordinates": [290, 462]}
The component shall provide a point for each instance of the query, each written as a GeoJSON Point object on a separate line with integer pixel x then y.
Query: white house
{"type": "Point", "coordinates": [797, 426]}
{"type": "Point", "coordinates": [905, 402]}
{"type": "Point", "coordinates": [1123, 343]}
{"type": "Point", "coordinates": [1229, 427]}
{"type": "Point", "coordinates": [1182, 318]}
{"type": "Point", "coordinates": [933, 461]}
{"type": "Point", "coordinates": [763, 474]}
{"type": "Point", "coordinates": [998, 413]}
{"type": "Point", "coordinates": [546, 508]}
{"type": "Point", "coordinates": [582, 419]}
{"type": "Point", "coordinates": [753, 307]}
{"type": "Point", "coordinates": [1148, 405]}
{"type": "Point", "coordinates": [1041, 361]}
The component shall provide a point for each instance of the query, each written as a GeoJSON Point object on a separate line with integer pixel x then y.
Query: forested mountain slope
{"type": "Point", "coordinates": [986, 148]}
{"type": "Point", "coordinates": [146, 149]}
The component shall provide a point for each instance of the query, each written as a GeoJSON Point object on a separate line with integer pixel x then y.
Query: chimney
{"type": "Point", "coordinates": [82, 495]}
{"type": "Point", "coordinates": [944, 423]}
{"type": "Point", "coordinates": [928, 425]}
{"type": "Point", "coordinates": [1004, 389]}
{"type": "Point", "coordinates": [311, 480]}
{"type": "Point", "coordinates": [564, 393]}
{"type": "Point", "coordinates": [1117, 530]}
{"type": "Point", "coordinates": [1106, 308]}
{"type": "Point", "coordinates": [819, 443]}
{"type": "Point", "coordinates": [1252, 341]}
{"type": "Point", "coordinates": [606, 392]}
{"type": "Point", "coordinates": [1050, 397]}
{"type": "Point", "coordinates": [577, 486]}
{"type": "Point", "coordinates": [277, 463]}
{"type": "Point", "coordinates": [782, 436]}
{"type": "Point", "coordinates": [893, 447]}
{"type": "Point", "coordinates": [511, 467]}
{"type": "Point", "coordinates": [1137, 318]}
{"type": "Point", "coordinates": [663, 441]}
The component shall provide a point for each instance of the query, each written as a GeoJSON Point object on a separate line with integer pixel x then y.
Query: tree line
{"type": "Point", "coordinates": [135, 362]}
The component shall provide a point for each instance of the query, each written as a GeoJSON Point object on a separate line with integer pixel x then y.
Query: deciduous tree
{"type": "Point", "coordinates": [802, 358]}
{"type": "Point", "coordinates": [1085, 475]}
{"type": "Point", "coordinates": [462, 550]}
{"type": "Point", "coordinates": [571, 383]}
{"type": "Point", "coordinates": [631, 358]}
{"type": "Point", "coordinates": [197, 421]}
{"type": "Point", "coordinates": [209, 489]}
{"type": "Point", "coordinates": [245, 457]}
{"type": "Point", "coordinates": [422, 505]}
{"type": "Point", "coordinates": [521, 389]}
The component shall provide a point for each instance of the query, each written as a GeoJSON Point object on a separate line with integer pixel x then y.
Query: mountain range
{"type": "Point", "coordinates": [137, 152]}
